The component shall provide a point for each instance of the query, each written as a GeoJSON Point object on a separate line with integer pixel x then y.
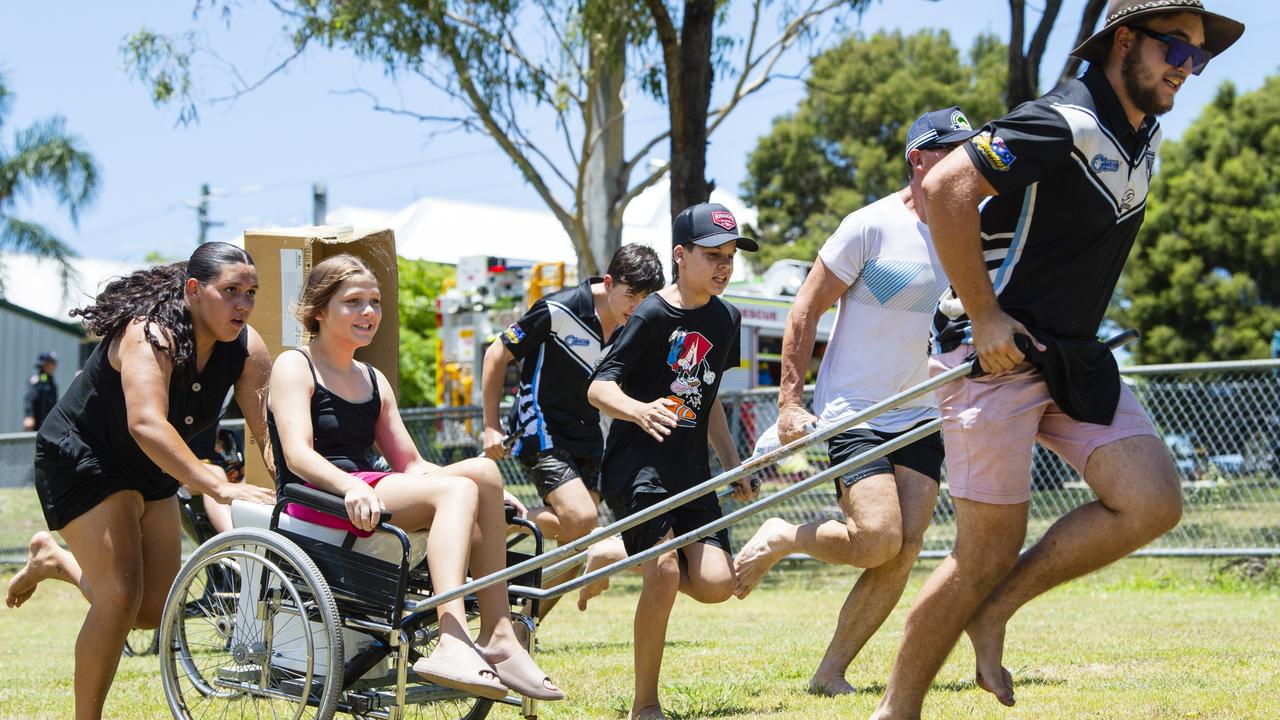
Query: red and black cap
{"type": "Point", "coordinates": [709, 225]}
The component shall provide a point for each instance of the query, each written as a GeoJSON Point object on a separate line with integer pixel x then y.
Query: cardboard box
{"type": "Point", "coordinates": [284, 257]}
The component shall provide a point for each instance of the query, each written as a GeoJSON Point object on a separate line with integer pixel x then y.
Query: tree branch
{"type": "Point", "coordinates": [620, 205]}
{"type": "Point", "coordinates": [1041, 37]}
{"type": "Point", "coordinates": [478, 105]}
{"type": "Point", "coordinates": [245, 89]}
{"type": "Point", "coordinates": [1088, 21]}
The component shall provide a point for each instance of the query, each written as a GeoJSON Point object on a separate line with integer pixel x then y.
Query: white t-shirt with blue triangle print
{"type": "Point", "coordinates": [880, 343]}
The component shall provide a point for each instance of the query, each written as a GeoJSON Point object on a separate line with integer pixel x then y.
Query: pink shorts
{"type": "Point", "coordinates": [327, 520]}
{"type": "Point", "coordinates": [990, 425]}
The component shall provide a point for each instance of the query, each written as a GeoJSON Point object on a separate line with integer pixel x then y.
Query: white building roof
{"type": "Point", "coordinates": [36, 284]}
{"type": "Point", "coordinates": [442, 230]}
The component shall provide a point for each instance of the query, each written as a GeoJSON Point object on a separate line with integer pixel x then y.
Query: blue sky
{"type": "Point", "coordinates": [265, 149]}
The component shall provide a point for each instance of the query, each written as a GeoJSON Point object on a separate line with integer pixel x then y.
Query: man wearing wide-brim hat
{"type": "Point", "coordinates": [1032, 271]}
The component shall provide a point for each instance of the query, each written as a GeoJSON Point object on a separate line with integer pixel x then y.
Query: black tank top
{"type": "Point", "coordinates": [89, 427]}
{"type": "Point", "coordinates": [341, 431]}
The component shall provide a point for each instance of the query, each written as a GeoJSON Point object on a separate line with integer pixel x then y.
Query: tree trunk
{"type": "Point", "coordinates": [1018, 89]}
{"type": "Point", "coordinates": [689, 83]}
{"type": "Point", "coordinates": [1024, 58]}
{"type": "Point", "coordinates": [604, 182]}
{"type": "Point", "coordinates": [1088, 21]}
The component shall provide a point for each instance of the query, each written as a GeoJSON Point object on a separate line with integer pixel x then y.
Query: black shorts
{"type": "Point", "coordinates": [924, 455]}
{"type": "Point", "coordinates": [646, 489]}
{"type": "Point", "coordinates": [72, 483]}
{"type": "Point", "coordinates": [549, 469]}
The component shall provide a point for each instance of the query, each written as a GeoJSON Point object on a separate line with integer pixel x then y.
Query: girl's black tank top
{"type": "Point", "coordinates": [341, 431]}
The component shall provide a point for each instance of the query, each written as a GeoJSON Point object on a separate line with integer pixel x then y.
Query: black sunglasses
{"type": "Point", "coordinates": [1179, 50]}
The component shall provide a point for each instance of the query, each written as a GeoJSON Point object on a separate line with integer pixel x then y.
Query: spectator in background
{"type": "Point", "coordinates": [42, 392]}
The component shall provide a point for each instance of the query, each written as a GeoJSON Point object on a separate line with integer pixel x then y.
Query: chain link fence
{"type": "Point", "coordinates": [1220, 421]}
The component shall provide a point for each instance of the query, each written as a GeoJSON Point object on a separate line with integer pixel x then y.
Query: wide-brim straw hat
{"type": "Point", "coordinates": [1220, 32]}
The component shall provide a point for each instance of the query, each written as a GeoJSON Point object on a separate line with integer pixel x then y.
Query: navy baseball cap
{"type": "Point", "coordinates": [938, 128]}
{"type": "Point", "coordinates": [45, 357]}
{"type": "Point", "coordinates": [709, 225]}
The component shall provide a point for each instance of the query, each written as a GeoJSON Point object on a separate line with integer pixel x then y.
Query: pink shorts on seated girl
{"type": "Point", "coordinates": [370, 478]}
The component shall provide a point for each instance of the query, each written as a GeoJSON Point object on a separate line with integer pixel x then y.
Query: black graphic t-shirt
{"type": "Point", "coordinates": [668, 352]}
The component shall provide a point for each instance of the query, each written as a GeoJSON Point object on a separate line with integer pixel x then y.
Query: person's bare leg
{"type": "Point", "coordinates": [604, 553]}
{"type": "Point", "coordinates": [870, 536]}
{"type": "Point", "coordinates": [878, 590]}
{"type": "Point", "coordinates": [497, 641]}
{"type": "Point", "coordinates": [706, 573]}
{"type": "Point", "coordinates": [107, 541]}
{"type": "Point", "coordinates": [447, 505]}
{"type": "Point", "coordinates": [1139, 499]}
{"type": "Point", "coordinates": [46, 560]}
{"type": "Point", "coordinates": [546, 519]}
{"type": "Point", "coordinates": [653, 610]}
{"type": "Point", "coordinates": [988, 538]}
{"type": "Point", "coordinates": [576, 511]}
{"type": "Point", "coordinates": [161, 557]}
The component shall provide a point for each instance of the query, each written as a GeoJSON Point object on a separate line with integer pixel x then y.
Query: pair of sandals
{"type": "Point", "coordinates": [470, 673]}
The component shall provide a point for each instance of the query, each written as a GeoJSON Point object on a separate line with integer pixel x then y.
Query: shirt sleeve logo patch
{"type": "Point", "coordinates": [514, 334]}
{"type": "Point", "coordinates": [993, 151]}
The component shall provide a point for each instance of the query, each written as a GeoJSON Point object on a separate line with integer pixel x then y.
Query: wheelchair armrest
{"type": "Point", "coordinates": [321, 500]}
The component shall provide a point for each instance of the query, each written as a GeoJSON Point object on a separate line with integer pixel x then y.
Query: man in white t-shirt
{"type": "Point", "coordinates": [881, 266]}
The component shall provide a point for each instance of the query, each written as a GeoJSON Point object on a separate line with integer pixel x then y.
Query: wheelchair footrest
{"type": "Point", "coordinates": [240, 674]}
{"type": "Point", "coordinates": [418, 694]}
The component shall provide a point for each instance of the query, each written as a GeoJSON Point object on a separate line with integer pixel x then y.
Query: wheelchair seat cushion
{"type": "Point", "coordinates": [381, 545]}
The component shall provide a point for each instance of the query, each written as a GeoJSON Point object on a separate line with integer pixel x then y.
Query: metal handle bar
{"type": "Point", "coordinates": [743, 470]}
{"type": "Point", "coordinates": [763, 503]}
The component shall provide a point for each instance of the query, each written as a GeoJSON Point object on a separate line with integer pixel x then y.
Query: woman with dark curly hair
{"type": "Point", "coordinates": [109, 458]}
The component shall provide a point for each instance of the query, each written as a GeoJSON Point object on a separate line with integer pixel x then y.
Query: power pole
{"type": "Point", "coordinates": [202, 216]}
{"type": "Point", "coordinates": [319, 203]}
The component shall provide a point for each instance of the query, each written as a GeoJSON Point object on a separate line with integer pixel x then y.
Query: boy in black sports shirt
{"type": "Point", "coordinates": [553, 430]}
{"type": "Point", "coordinates": [659, 382]}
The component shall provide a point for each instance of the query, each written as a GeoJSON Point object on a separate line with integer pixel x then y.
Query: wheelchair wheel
{"type": "Point", "coordinates": [250, 628]}
{"type": "Point", "coordinates": [142, 642]}
{"type": "Point", "coordinates": [467, 708]}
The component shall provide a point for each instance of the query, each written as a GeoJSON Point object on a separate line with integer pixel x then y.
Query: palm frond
{"type": "Point", "coordinates": [46, 156]}
{"type": "Point", "coordinates": [31, 238]}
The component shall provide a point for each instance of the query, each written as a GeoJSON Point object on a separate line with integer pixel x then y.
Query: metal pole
{"type": "Point", "coordinates": [747, 468]}
{"type": "Point", "coordinates": [693, 536]}
{"type": "Point", "coordinates": [319, 203]}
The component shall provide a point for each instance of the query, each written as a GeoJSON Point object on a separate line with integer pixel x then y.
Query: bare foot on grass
{"type": "Point", "coordinates": [651, 712]}
{"type": "Point", "coordinates": [44, 561]}
{"type": "Point", "coordinates": [759, 555]}
{"type": "Point", "coordinates": [605, 552]}
{"type": "Point", "coordinates": [830, 685]}
{"type": "Point", "coordinates": [987, 636]}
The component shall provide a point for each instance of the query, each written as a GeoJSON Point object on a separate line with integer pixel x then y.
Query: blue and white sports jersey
{"type": "Point", "coordinates": [1072, 175]}
{"type": "Point", "coordinates": [558, 344]}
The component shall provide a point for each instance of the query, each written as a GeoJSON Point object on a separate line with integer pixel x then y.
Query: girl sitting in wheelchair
{"type": "Point", "coordinates": [326, 410]}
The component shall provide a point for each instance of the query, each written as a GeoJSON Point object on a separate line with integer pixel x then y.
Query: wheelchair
{"type": "Point", "coordinates": [313, 621]}
{"type": "Point", "coordinates": [197, 527]}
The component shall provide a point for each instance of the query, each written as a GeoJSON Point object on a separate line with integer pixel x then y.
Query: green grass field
{"type": "Point", "coordinates": [1146, 638]}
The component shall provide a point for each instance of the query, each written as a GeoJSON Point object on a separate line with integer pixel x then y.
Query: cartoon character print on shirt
{"type": "Point", "coordinates": [687, 357]}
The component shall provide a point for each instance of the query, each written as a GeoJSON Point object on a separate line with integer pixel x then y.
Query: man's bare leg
{"type": "Point", "coordinates": [878, 589]}
{"type": "Point", "coordinates": [1139, 500]}
{"type": "Point", "coordinates": [870, 536]}
{"type": "Point", "coordinates": [574, 508]}
{"type": "Point", "coordinates": [988, 538]}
